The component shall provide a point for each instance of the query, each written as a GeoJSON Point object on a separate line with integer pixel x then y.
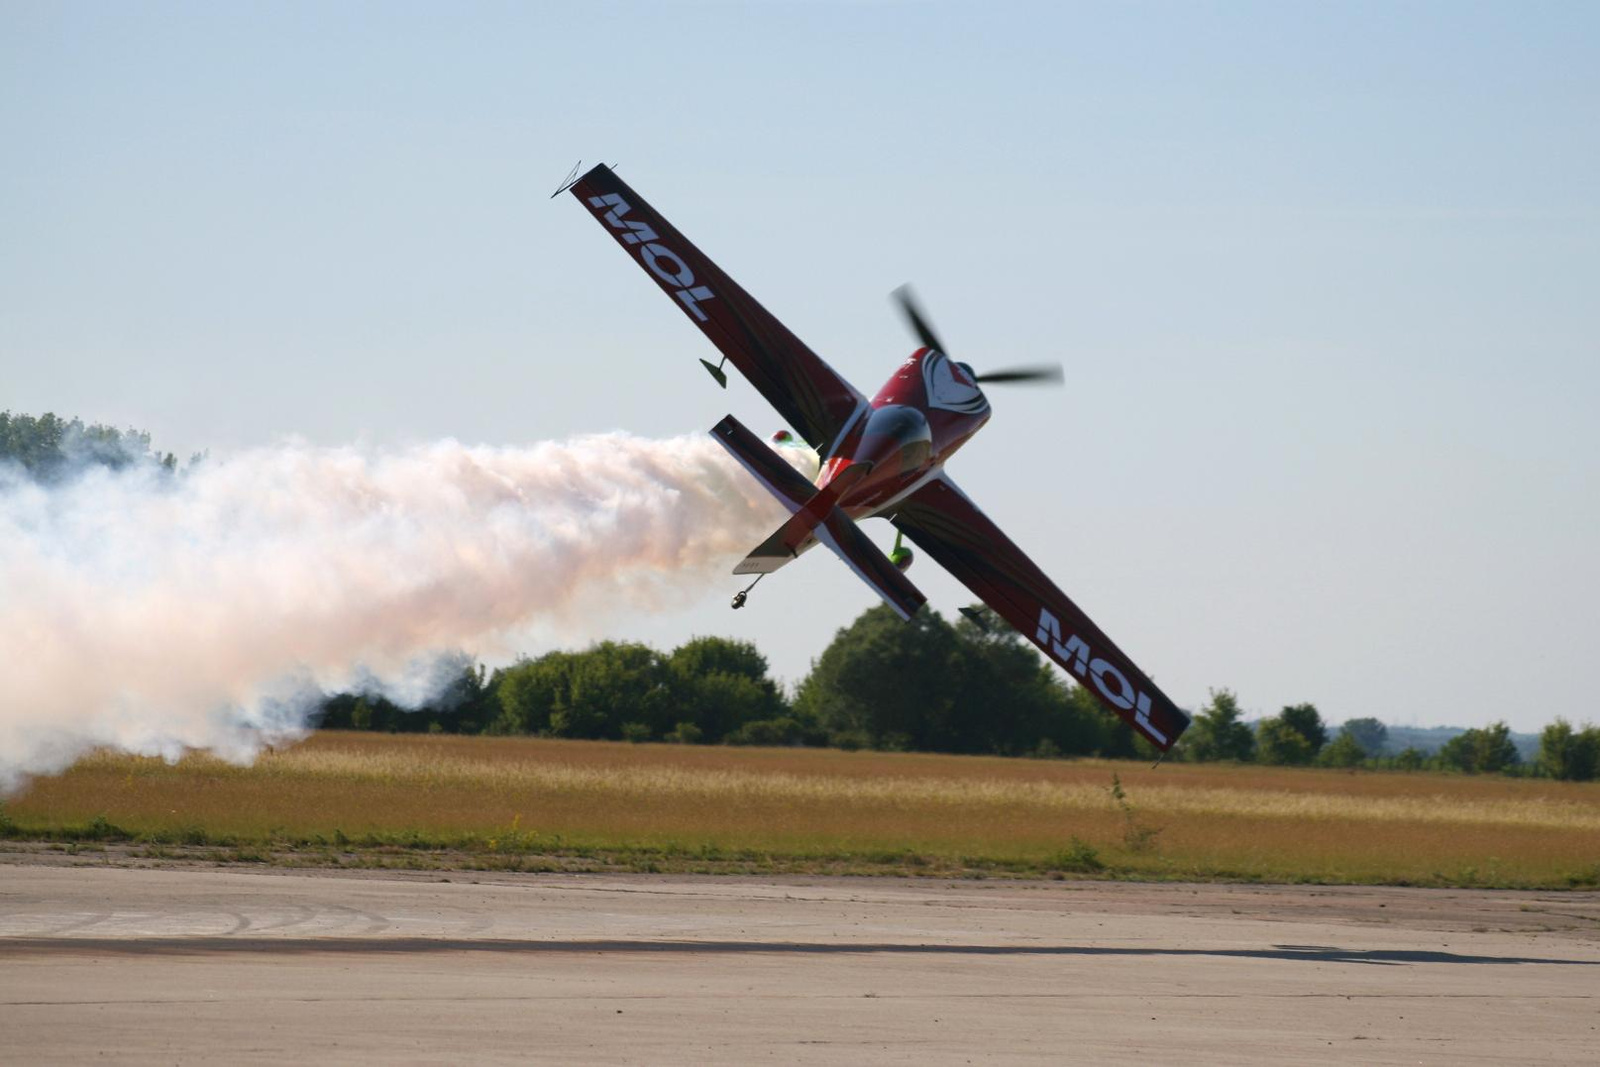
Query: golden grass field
{"type": "Point", "coordinates": [540, 804]}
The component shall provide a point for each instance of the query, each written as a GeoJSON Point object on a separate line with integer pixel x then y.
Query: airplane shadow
{"type": "Point", "coordinates": [184, 946]}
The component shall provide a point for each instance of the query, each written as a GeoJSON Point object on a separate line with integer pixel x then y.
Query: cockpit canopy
{"type": "Point", "coordinates": [896, 438]}
{"type": "Point", "coordinates": [904, 425]}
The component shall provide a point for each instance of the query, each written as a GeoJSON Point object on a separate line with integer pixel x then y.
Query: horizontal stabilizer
{"type": "Point", "coordinates": [764, 465]}
{"type": "Point", "coordinates": [795, 535]}
{"type": "Point", "coordinates": [813, 517]}
{"type": "Point", "coordinates": [790, 539]}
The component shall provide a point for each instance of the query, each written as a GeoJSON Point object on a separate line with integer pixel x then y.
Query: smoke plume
{"type": "Point", "coordinates": [154, 612]}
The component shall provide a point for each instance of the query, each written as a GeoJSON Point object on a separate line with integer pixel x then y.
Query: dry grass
{"type": "Point", "coordinates": [687, 805]}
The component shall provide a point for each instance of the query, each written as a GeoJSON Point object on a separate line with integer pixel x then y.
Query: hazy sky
{"type": "Point", "coordinates": [1325, 280]}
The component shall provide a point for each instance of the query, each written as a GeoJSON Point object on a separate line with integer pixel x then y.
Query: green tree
{"type": "Point", "coordinates": [1369, 733]}
{"type": "Point", "coordinates": [685, 733]}
{"type": "Point", "coordinates": [530, 691]}
{"type": "Point", "coordinates": [1304, 720]}
{"type": "Point", "coordinates": [886, 681]}
{"type": "Point", "coordinates": [1410, 759]}
{"type": "Point", "coordinates": [1488, 750]}
{"type": "Point", "coordinates": [1567, 754]}
{"type": "Point", "coordinates": [719, 685]}
{"type": "Point", "coordinates": [710, 683]}
{"type": "Point", "coordinates": [1217, 732]}
{"type": "Point", "coordinates": [462, 705]}
{"type": "Point", "coordinates": [1091, 730]}
{"type": "Point", "coordinates": [612, 683]}
{"type": "Point", "coordinates": [1278, 742]}
{"type": "Point", "coordinates": [49, 448]}
{"type": "Point", "coordinates": [1343, 751]}
{"type": "Point", "coordinates": [771, 733]}
{"type": "Point", "coordinates": [1496, 751]}
{"type": "Point", "coordinates": [931, 686]}
{"type": "Point", "coordinates": [1009, 699]}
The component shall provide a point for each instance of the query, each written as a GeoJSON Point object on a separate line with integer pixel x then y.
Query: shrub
{"type": "Point", "coordinates": [1218, 732]}
{"type": "Point", "coordinates": [1278, 742]}
{"type": "Point", "coordinates": [685, 733]}
{"type": "Point", "coordinates": [768, 732]}
{"type": "Point", "coordinates": [1567, 754]}
{"type": "Point", "coordinates": [851, 740]}
{"type": "Point", "coordinates": [102, 829]}
{"type": "Point", "coordinates": [1344, 751]}
{"type": "Point", "coordinates": [1079, 856]}
{"type": "Point", "coordinates": [1137, 835]}
{"type": "Point", "coordinates": [1481, 751]}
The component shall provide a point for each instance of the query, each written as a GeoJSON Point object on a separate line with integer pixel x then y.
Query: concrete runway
{"type": "Point", "coordinates": [191, 964]}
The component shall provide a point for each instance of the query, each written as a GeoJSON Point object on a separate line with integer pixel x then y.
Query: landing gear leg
{"type": "Point", "coordinates": [744, 594]}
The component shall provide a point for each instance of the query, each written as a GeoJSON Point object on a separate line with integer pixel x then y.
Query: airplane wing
{"type": "Point", "coordinates": [810, 395]}
{"type": "Point", "coordinates": [946, 525]}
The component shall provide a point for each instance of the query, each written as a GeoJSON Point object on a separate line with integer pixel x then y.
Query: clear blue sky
{"type": "Point", "coordinates": [1325, 280]}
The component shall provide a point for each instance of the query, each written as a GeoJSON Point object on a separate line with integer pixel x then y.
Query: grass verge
{"type": "Point", "coordinates": [523, 804]}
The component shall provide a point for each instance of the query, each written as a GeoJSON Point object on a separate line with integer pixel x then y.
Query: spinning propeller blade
{"type": "Point", "coordinates": [914, 317]}
{"type": "Point", "coordinates": [1049, 373]}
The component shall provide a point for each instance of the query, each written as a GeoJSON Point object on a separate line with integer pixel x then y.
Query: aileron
{"type": "Point", "coordinates": [944, 523]}
{"type": "Point", "coordinates": [810, 395]}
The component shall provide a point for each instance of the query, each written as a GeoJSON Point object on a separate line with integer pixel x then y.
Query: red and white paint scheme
{"type": "Point", "coordinates": [882, 457]}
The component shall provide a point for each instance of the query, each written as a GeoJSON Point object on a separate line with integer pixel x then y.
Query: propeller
{"type": "Point", "coordinates": [916, 320]}
{"type": "Point", "coordinates": [907, 300]}
{"type": "Point", "coordinates": [1044, 372]}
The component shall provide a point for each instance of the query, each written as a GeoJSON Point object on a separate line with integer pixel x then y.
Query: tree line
{"type": "Point", "coordinates": [883, 684]}
{"type": "Point", "coordinates": [50, 449]}
{"type": "Point", "coordinates": [927, 685]}
{"type": "Point", "coordinates": [1297, 736]}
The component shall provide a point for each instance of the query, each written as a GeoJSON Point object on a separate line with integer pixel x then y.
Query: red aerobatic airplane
{"type": "Point", "coordinates": [882, 457]}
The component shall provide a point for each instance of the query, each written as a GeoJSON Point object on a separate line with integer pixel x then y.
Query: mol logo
{"type": "Point", "coordinates": [1076, 656]}
{"type": "Point", "coordinates": [658, 259]}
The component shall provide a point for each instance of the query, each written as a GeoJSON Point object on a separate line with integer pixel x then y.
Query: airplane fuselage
{"type": "Point", "coordinates": [917, 421]}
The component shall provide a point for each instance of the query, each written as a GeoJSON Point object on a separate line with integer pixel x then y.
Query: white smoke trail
{"type": "Point", "coordinates": [155, 613]}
